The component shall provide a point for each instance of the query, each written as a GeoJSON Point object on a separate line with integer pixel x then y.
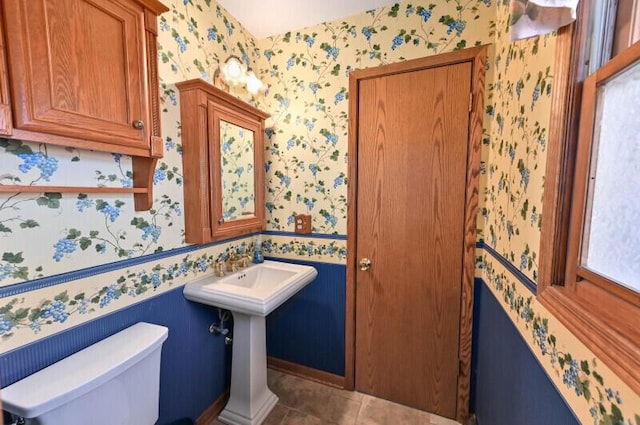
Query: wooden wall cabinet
{"type": "Point", "coordinates": [83, 73]}
{"type": "Point", "coordinates": [214, 121]}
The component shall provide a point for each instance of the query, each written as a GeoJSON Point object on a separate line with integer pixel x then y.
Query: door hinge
{"type": "Point", "coordinates": [470, 102]}
{"type": "Point", "coordinates": [460, 367]}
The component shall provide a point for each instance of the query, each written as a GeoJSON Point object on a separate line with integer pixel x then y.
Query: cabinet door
{"type": "Point", "coordinates": [77, 69]}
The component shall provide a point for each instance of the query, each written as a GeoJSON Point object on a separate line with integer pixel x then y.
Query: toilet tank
{"type": "Point", "coordinates": [113, 382]}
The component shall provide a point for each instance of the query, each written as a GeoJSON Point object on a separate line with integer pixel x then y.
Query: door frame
{"type": "Point", "coordinates": [477, 57]}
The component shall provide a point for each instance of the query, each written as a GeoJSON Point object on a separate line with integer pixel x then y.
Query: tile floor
{"type": "Point", "coordinates": [304, 402]}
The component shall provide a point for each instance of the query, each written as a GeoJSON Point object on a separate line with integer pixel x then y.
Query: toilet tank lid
{"type": "Point", "coordinates": [83, 371]}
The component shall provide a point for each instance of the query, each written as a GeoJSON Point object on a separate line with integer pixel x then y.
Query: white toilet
{"type": "Point", "coordinates": [113, 382]}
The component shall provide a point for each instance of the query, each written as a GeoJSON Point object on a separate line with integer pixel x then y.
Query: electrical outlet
{"type": "Point", "coordinates": [302, 223]}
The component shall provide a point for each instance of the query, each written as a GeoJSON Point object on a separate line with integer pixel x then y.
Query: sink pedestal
{"type": "Point", "coordinates": [251, 400]}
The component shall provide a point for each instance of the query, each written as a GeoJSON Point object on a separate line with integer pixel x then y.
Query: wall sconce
{"type": "Point", "coordinates": [233, 72]}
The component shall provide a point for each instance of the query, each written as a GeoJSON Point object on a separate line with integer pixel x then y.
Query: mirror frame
{"type": "Point", "coordinates": [218, 113]}
{"type": "Point", "coordinates": [202, 106]}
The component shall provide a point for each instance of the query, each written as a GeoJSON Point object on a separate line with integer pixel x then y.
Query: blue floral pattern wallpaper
{"type": "Point", "coordinates": [519, 107]}
{"type": "Point", "coordinates": [47, 234]}
{"type": "Point", "coordinates": [308, 76]}
{"type": "Point", "coordinates": [306, 71]}
{"type": "Point", "coordinates": [236, 172]}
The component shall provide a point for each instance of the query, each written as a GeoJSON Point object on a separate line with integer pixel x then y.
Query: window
{"type": "Point", "coordinates": [590, 253]}
{"type": "Point", "coordinates": [605, 247]}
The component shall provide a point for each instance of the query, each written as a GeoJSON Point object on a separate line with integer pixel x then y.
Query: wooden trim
{"type": "Point", "coordinates": [627, 25]}
{"type": "Point", "coordinates": [6, 118]}
{"type": "Point", "coordinates": [444, 59]}
{"type": "Point", "coordinates": [194, 122]}
{"type": "Point", "coordinates": [580, 183]}
{"type": "Point", "coordinates": [202, 106]}
{"type": "Point", "coordinates": [221, 97]}
{"type": "Point", "coordinates": [619, 352]}
{"type": "Point", "coordinates": [352, 193]}
{"type": "Point", "coordinates": [619, 291]}
{"type": "Point", "coordinates": [54, 139]}
{"type": "Point", "coordinates": [471, 214]}
{"type": "Point", "coordinates": [561, 146]}
{"type": "Point", "coordinates": [477, 56]}
{"type": "Point", "coordinates": [213, 411]}
{"type": "Point", "coordinates": [70, 189]}
{"type": "Point", "coordinates": [6, 125]}
{"type": "Point", "coordinates": [592, 307]}
{"type": "Point", "coordinates": [305, 372]}
{"type": "Point", "coordinates": [143, 171]}
{"type": "Point", "coordinates": [153, 87]}
{"type": "Point", "coordinates": [225, 230]}
{"type": "Point", "coordinates": [154, 5]}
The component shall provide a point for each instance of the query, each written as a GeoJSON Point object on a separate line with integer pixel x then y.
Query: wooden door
{"type": "Point", "coordinates": [412, 162]}
{"type": "Point", "coordinates": [78, 69]}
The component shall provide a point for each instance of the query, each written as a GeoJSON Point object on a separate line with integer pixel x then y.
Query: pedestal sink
{"type": "Point", "coordinates": [251, 294]}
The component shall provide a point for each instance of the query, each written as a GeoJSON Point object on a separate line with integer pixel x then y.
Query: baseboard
{"type": "Point", "coordinates": [305, 372]}
{"type": "Point", "coordinates": [214, 410]}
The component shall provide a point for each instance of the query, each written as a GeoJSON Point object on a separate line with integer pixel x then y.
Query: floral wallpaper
{"type": "Point", "coordinates": [45, 234]}
{"type": "Point", "coordinates": [309, 248]}
{"type": "Point", "coordinates": [308, 76]}
{"type": "Point", "coordinates": [519, 107]}
{"type": "Point", "coordinates": [75, 231]}
{"type": "Point", "coordinates": [594, 393]}
{"type": "Point", "coordinates": [236, 170]}
{"type": "Point", "coordinates": [36, 314]}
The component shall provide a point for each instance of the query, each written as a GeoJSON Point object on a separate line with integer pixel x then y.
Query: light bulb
{"type": "Point", "coordinates": [254, 85]}
{"type": "Point", "coordinates": [233, 71]}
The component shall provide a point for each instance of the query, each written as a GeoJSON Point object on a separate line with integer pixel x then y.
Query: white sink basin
{"type": "Point", "coordinates": [256, 290]}
{"type": "Point", "coordinates": [251, 294]}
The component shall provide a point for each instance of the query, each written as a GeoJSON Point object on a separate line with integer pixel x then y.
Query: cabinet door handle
{"type": "Point", "coordinates": [138, 124]}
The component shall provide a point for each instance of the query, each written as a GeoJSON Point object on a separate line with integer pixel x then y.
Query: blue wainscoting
{"type": "Point", "coordinates": [195, 367]}
{"type": "Point", "coordinates": [309, 328]}
{"type": "Point", "coordinates": [509, 386]}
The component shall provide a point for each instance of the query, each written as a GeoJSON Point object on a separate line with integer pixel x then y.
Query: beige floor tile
{"type": "Point", "coordinates": [340, 410]}
{"type": "Point", "coordinates": [439, 420]}
{"type": "Point", "coordinates": [273, 376]}
{"type": "Point", "coordinates": [375, 411]}
{"type": "Point", "coordinates": [276, 416]}
{"type": "Point", "coordinates": [332, 405]}
{"type": "Point", "coordinates": [304, 402]}
{"type": "Point", "coordinates": [351, 395]}
{"type": "Point", "coordinates": [305, 396]}
{"type": "Point", "coordinates": [298, 418]}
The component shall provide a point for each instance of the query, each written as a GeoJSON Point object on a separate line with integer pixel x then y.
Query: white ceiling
{"type": "Point", "coordinates": [264, 18]}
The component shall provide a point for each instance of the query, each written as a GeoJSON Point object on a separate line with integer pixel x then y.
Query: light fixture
{"type": "Point", "coordinates": [254, 85]}
{"type": "Point", "coordinates": [234, 72]}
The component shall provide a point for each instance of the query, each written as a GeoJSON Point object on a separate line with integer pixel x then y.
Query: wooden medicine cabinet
{"type": "Point", "coordinates": [83, 73]}
{"type": "Point", "coordinates": [223, 166]}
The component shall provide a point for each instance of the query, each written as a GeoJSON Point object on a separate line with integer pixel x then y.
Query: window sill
{"type": "Point", "coordinates": [614, 340]}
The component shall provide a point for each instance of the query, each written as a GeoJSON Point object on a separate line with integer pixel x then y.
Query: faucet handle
{"type": "Point", "coordinates": [218, 268]}
{"type": "Point", "coordinates": [232, 261]}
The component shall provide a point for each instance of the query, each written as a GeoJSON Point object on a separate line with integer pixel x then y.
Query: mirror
{"type": "Point", "coordinates": [236, 172]}
{"type": "Point", "coordinates": [223, 158]}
